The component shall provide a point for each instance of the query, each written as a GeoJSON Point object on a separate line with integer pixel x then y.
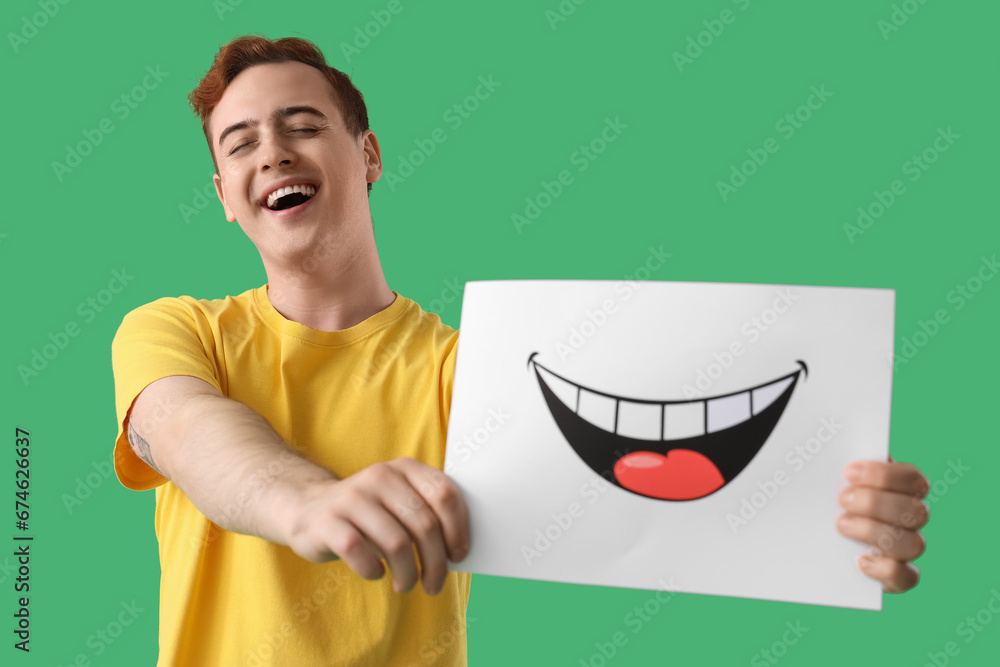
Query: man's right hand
{"type": "Point", "coordinates": [381, 511]}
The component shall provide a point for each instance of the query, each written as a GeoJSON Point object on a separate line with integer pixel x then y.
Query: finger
{"type": "Point", "coordinates": [341, 539]}
{"type": "Point", "coordinates": [899, 543]}
{"type": "Point", "coordinates": [424, 528]}
{"type": "Point", "coordinates": [899, 477]}
{"type": "Point", "coordinates": [896, 576]}
{"type": "Point", "coordinates": [378, 552]}
{"type": "Point", "coordinates": [392, 539]}
{"type": "Point", "coordinates": [886, 506]}
{"type": "Point", "coordinates": [444, 497]}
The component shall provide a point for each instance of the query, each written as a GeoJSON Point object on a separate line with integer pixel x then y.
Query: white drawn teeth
{"type": "Point", "coordinates": [664, 421]}
{"type": "Point", "coordinates": [728, 411]}
{"type": "Point", "coordinates": [640, 420]}
{"type": "Point", "coordinates": [598, 410]}
{"type": "Point", "coordinates": [566, 392]}
{"type": "Point", "coordinates": [764, 396]}
{"type": "Point", "coordinates": [684, 420]}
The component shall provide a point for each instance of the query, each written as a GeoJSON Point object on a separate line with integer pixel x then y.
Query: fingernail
{"type": "Point", "coordinates": [849, 497]}
{"type": "Point", "coordinates": [863, 562]}
{"type": "Point", "coordinates": [854, 472]}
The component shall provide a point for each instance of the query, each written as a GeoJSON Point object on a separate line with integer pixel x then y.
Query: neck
{"type": "Point", "coordinates": [337, 294]}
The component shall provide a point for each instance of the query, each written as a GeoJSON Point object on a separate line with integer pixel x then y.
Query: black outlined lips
{"type": "Point", "coordinates": [668, 450]}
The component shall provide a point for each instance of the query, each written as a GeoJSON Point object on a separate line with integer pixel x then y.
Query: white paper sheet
{"type": "Point", "coordinates": [560, 454]}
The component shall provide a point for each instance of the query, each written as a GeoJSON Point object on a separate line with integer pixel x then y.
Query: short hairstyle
{"type": "Point", "coordinates": [249, 50]}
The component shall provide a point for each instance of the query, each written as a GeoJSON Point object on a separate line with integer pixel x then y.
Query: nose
{"type": "Point", "coordinates": [275, 153]}
{"type": "Point", "coordinates": [267, 166]}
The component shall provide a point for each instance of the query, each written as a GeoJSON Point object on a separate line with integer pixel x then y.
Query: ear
{"type": "Point", "coordinates": [373, 156]}
{"type": "Point", "coordinates": [230, 216]}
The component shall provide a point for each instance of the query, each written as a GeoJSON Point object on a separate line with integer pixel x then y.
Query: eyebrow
{"type": "Point", "coordinates": [279, 114]}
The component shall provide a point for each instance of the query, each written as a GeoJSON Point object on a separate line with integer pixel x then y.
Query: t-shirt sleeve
{"type": "Point", "coordinates": [448, 377]}
{"type": "Point", "coordinates": [157, 340]}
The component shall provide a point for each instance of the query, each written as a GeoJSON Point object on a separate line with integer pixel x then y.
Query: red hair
{"type": "Point", "coordinates": [250, 50]}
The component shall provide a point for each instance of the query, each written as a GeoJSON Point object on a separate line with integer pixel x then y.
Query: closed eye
{"type": "Point", "coordinates": [301, 129]}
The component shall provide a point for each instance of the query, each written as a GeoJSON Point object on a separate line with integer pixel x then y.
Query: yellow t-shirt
{"type": "Point", "coordinates": [346, 399]}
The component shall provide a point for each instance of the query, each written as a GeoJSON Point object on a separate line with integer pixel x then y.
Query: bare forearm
{"type": "Point", "coordinates": [241, 475]}
{"type": "Point", "coordinates": [237, 470]}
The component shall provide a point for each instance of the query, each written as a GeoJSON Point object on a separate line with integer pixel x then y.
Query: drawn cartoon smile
{"type": "Point", "coordinates": [669, 450]}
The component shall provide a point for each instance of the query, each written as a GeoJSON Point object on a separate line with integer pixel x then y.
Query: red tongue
{"type": "Point", "coordinates": [680, 475]}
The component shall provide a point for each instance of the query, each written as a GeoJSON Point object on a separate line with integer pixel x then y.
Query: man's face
{"type": "Point", "coordinates": [275, 142]}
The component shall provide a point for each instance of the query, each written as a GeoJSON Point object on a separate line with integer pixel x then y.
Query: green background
{"type": "Point", "coordinates": [122, 207]}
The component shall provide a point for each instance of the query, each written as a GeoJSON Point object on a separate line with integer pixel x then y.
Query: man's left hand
{"type": "Point", "coordinates": [885, 508]}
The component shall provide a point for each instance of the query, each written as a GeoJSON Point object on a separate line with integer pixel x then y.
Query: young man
{"type": "Point", "coordinates": [312, 411]}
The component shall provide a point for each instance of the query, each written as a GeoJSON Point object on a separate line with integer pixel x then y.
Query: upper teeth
{"type": "Point", "coordinates": [665, 420]}
{"type": "Point", "coordinates": [307, 190]}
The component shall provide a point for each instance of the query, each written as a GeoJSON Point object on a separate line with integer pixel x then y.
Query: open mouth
{"type": "Point", "coordinates": [289, 197]}
{"type": "Point", "coordinates": [669, 450]}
